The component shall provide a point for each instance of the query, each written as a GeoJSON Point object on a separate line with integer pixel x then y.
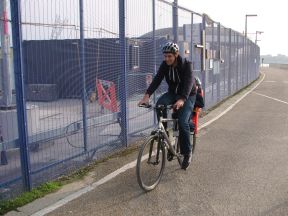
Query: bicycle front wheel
{"type": "Point", "coordinates": [150, 163]}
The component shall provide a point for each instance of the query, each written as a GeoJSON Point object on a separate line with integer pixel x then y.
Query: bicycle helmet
{"type": "Point", "coordinates": [170, 47]}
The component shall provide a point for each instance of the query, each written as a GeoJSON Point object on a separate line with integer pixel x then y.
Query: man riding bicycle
{"type": "Point", "coordinates": [181, 92]}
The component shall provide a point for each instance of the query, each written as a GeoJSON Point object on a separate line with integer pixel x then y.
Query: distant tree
{"type": "Point", "coordinates": [280, 59]}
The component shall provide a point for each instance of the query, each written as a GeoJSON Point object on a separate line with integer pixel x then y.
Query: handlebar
{"type": "Point", "coordinates": [162, 107]}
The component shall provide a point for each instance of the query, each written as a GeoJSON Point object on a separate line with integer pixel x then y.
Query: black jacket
{"type": "Point", "coordinates": [180, 79]}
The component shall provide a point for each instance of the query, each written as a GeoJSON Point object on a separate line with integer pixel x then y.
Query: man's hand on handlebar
{"type": "Point", "coordinates": [144, 101]}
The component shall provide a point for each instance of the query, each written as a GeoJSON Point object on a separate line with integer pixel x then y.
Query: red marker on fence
{"type": "Point", "coordinates": [107, 95]}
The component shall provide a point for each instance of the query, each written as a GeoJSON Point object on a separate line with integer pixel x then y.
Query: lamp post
{"type": "Point", "coordinates": [258, 32]}
{"type": "Point", "coordinates": [246, 16]}
{"type": "Point", "coordinates": [245, 45]}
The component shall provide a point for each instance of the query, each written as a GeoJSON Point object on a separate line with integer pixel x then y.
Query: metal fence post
{"type": "Point", "coordinates": [224, 54]}
{"type": "Point", "coordinates": [243, 62]}
{"type": "Point", "coordinates": [175, 20]}
{"type": "Point", "coordinates": [246, 57]}
{"type": "Point", "coordinates": [255, 60]}
{"type": "Point", "coordinates": [123, 74]}
{"type": "Point", "coordinates": [154, 52]}
{"type": "Point", "coordinates": [83, 72]}
{"type": "Point", "coordinates": [212, 48]}
{"type": "Point", "coordinates": [20, 94]}
{"type": "Point", "coordinates": [203, 59]}
{"type": "Point", "coordinates": [248, 61]}
{"type": "Point", "coordinates": [192, 44]}
{"type": "Point", "coordinates": [258, 61]}
{"type": "Point", "coordinates": [237, 61]}
{"type": "Point", "coordinates": [219, 57]}
{"type": "Point", "coordinates": [230, 68]}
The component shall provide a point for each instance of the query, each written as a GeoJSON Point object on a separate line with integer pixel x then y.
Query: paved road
{"type": "Point", "coordinates": [240, 167]}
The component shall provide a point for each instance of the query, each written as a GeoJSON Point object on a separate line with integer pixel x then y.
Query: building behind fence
{"type": "Point", "coordinates": [72, 72]}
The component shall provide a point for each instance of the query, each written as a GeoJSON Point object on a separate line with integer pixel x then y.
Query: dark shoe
{"type": "Point", "coordinates": [186, 161]}
{"type": "Point", "coordinates": [170, 155]}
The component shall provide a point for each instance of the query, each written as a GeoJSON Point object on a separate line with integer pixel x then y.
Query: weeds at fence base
{"type": "Point", "coordinates": [27, 197]}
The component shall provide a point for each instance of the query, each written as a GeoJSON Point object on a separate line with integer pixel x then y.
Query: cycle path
{"type": "Point", "coordinates": [239, 168]}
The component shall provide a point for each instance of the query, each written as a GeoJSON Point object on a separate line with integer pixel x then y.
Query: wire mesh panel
{"type": "Point", "coordinates": [239, 54]}
{"type": "Point", "coordinates": [212, 60]}
{"type": "Point", "coordinates": [10, 161]}
{"type": "Point", "coordinates": [243, 71]}
{"type": "Point", "coordinates": [190, 39]}
{"type": "Point", "coordinates": [185, 28]}
{"type": "Point", "coordinates": [103, 73]}
{"type": "Point", "coordinates": [233, 62]}
{"type": "Point", "coordinates": [238, 62]}
{"type": "Point", "coordinates": [53, 87]}
{"type": "Point", "coordinates": [140, 63]}
{"type": "Point", "coordinates": [196, 41]}
{"type": "Point", "coordinates": [163, 34]}
{"type": "Point", "coordinates": [209, 72]}
{"type": "Point", "coordinates": [214, 63]}
{"type": "Point", "coordinates": [227, 62]}
{"type": "Point", "coordinates": [223, 69]}
{"type": "Point", "coordinates": [252, 62]}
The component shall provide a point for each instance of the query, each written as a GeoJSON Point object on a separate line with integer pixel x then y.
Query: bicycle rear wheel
{"type": "Point", "coordinates": [150, 163]}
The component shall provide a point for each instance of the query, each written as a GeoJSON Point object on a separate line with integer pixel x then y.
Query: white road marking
{"type": "Point", "coordinates": [273, 81]}
{"type": "Point", "coordinates": [272, 98]}
{"type": "Point", "coordinates": [126, 167]}
{"type": "Point", "coordinates": [270, 81]}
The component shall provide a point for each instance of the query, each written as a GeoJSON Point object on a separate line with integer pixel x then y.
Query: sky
{"type": "Point", "coordinates": [271, 19]}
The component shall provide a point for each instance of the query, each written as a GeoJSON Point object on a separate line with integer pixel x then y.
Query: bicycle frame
{"type": "Point", "coordinates": [161, 130]}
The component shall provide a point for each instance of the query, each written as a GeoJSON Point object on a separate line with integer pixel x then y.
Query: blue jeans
{"type": "Point", "coordinates": [184, 116]}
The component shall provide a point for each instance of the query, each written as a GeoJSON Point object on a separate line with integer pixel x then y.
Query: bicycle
{"type": "Point", "coordinates": [152, 155]}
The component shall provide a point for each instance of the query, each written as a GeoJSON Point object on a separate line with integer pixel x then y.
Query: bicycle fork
{"type": "Point", "coordinates": [157, 161]}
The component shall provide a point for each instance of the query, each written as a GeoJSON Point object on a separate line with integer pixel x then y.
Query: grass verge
{"type": "Point", "coordinates": [27, 197]}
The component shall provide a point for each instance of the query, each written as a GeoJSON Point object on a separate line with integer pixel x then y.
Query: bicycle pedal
{"type": "Point", "coordinates": [170, 156]}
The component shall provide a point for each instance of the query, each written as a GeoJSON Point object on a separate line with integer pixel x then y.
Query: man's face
{"type": "Point", "coordinates": [170, 58]}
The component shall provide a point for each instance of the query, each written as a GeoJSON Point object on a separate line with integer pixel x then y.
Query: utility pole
{"type": "Point", "coordinates": [6, 90]}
